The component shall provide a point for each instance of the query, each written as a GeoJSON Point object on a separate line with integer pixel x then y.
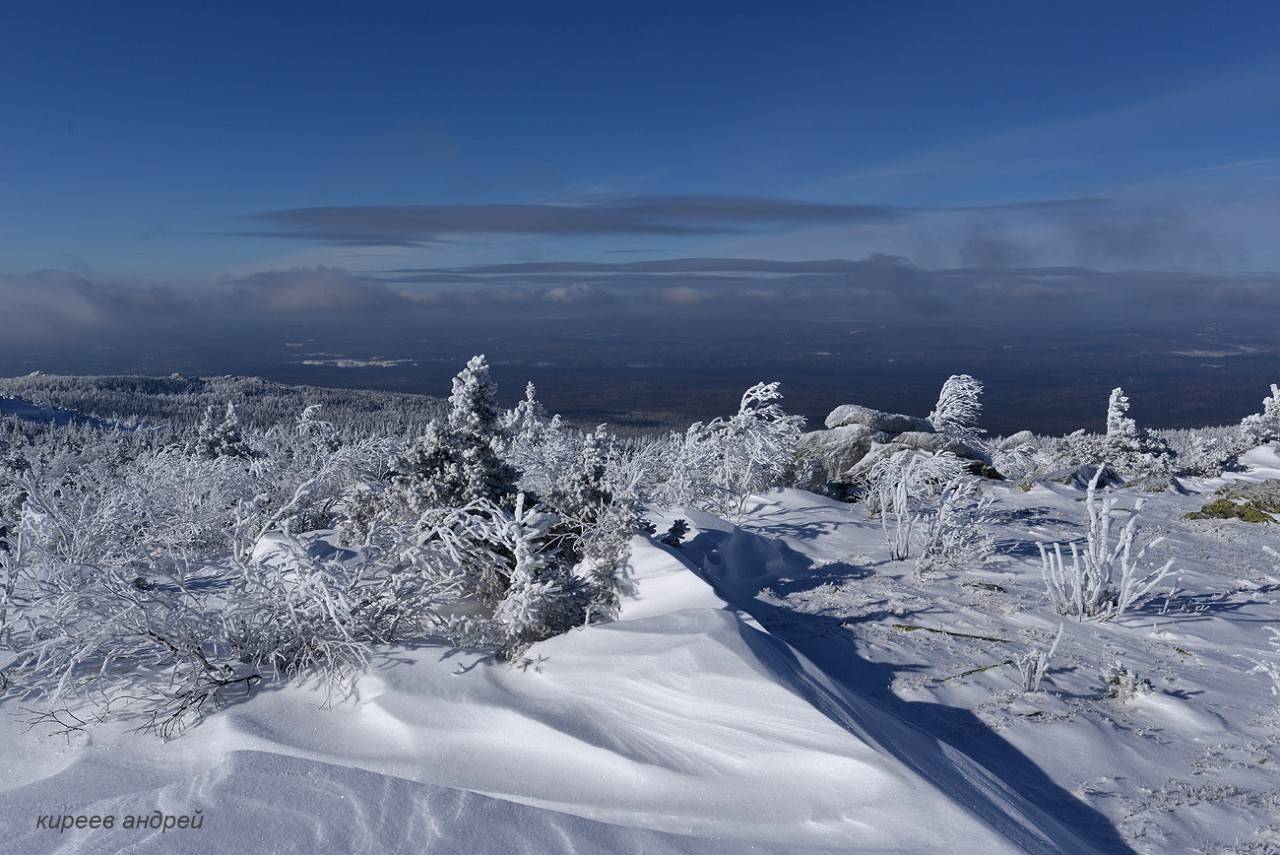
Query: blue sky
{"type": "Point", "coordinates": [188, 145]}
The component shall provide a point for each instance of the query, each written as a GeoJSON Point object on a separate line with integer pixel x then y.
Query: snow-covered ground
{"type": "Point", "coordinates": [773, 685]}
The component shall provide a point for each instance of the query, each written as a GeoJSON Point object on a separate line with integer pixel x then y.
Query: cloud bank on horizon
{"type": "Point", "coordinates": [56, 305]}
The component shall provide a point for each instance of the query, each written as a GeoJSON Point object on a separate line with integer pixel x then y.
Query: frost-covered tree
{"type": "Point", "coordinates": [457, 462]}
{"type": "Point", "coordinates": [955, 416]}
{"type": "Point", "coordinates": [473, 407]}
{"type": "Point", "coordinates": [1122, 431]}
{"type": "Point", "coordinates": [221, 438]}
{"type": "Point", "coordinates": [1264, 427]}
{"type": "Point", "coordinates": [543, 449]}
{"type": "Point", "coordinates": [527, 420]}
{"type": "Point", "coordinates": [1129, 448]}
{"type": "Point", "coordinates": [719, 464]}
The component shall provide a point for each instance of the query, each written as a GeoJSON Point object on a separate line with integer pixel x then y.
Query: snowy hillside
{"type": "Point", "coordinates": [781, 672]}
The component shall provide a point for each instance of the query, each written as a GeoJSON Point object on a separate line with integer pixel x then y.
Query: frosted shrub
{"type": "Point", "coordinates": [165, 579]}
{"type": "Point", "coordinates": [595, 518]}
{"type": "Point", "coordinates": [544, 597]}
{"type": "Point", "coordinates": [101, 635]}
{"type": "Point", "coordinates": [952, 532]}
{"type": "Point", "coordinates": [1125, 447]}
{"type": "Point", "coordinates": [719, 464]}
{"type": "Point", "coordinates": [1034, 664]}
{"type": "Point", "coordinates": [166, 502]}
{"type": "Point", "coordinates": [1121, 684]}
{"type": "Point", "coordinates": [1104, 580]}
{"type": "Point", "coordinates": [897, 487]}
{"type": "Point", "coordinates": [1206, 451]}
{"type": "Point", "coordinates": [221, 438]}
{"type": "Point", "coordinates": [1271, 667]}
{"type": "Point", "coordinates": [1015, 459]}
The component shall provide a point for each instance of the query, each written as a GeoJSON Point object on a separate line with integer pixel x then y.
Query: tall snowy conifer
{"type": "Point", "coordinates": [1122, 431]}
{"type": "Point", "coordinates": [455, 463]}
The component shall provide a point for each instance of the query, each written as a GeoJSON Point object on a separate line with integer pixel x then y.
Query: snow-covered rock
{"type": "Point", "coordinates": [853, 414]}
{"type": "Point", "coordinates": [833, 452]}
{"type": "Point", "coordinates": [859, 436]}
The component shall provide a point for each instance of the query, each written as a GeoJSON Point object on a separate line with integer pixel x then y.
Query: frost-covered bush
{"type": "Point", "coordinates": [539, 551]}
{"type": "Point", "coordinates": [223, 438]}
{"type": "Point", "coordinates": [1017, 456]}
{"type": "Point", "coordinates": [898, 486]}
{"type": "Point", "coordinates": [1104, 580]}
{"type": "Point", "coordinates": [1034, 664]}
{"type": "Point", "coordinates": [166, 502]}
{"type": "Point", "coordinates": [1206, 452]}
{"type": "Point", "coordinates": [718, 465]}
{"type": "Point", "coordinates": [1126, 448]}
{"type": "Point", "coordinates": [952, 532]}
{"type": "Point", "coordinates": [544, 597]}
{"type": "Point", "coordinates": [1121, 684]}
{"type": "Point", "coordinates": [191, 637]}
{"type": "Point", "coordinates": [165, 575]}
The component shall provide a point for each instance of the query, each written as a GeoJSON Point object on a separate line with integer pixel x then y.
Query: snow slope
{"type": "Point", "coordinates": [773, 686]}
{"type": "Point", "coordinates": [682, 728]}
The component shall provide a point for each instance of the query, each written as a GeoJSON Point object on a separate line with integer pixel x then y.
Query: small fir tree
{"type": "Point", "coordinates": [223, 439]}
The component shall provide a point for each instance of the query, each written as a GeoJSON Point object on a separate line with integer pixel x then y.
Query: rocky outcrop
{"type": "Point", "coordinates": [828, 454]}
{"type": "Point", "coordinates": [859, 436]}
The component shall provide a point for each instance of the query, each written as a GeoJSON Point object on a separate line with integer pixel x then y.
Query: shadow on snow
{"type": "Point", "coordinates": [948, 746]}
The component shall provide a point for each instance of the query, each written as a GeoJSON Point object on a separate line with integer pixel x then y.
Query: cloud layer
{"type": "Point", "coordinates": [48, 305]}
{"type": "Point", "coordinates": [408, 225]}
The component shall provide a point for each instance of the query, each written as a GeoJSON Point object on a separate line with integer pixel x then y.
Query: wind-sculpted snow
{"type": "Point", "coordinates": [266, 802]}
{"type": "Point", "coordinates": [686, 728]}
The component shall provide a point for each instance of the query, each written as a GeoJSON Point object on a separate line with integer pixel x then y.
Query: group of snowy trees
{"type": "Point", "coordinates": [163, 572]}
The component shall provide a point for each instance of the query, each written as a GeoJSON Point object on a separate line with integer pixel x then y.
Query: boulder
{"type": "Point", "coordinates": [833, 452]}
{"type": "Point", "coordinates": [1080, 476]}
{"type": "Point", "coordinates": [852, 414]}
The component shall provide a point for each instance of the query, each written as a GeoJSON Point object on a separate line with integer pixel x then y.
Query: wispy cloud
{"type": "Point", "coordinates": [319, 289]}
{"type": "Point", "coordinates": [52, 303]}
{"type": "Point", "coordinates": [416, 225]}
